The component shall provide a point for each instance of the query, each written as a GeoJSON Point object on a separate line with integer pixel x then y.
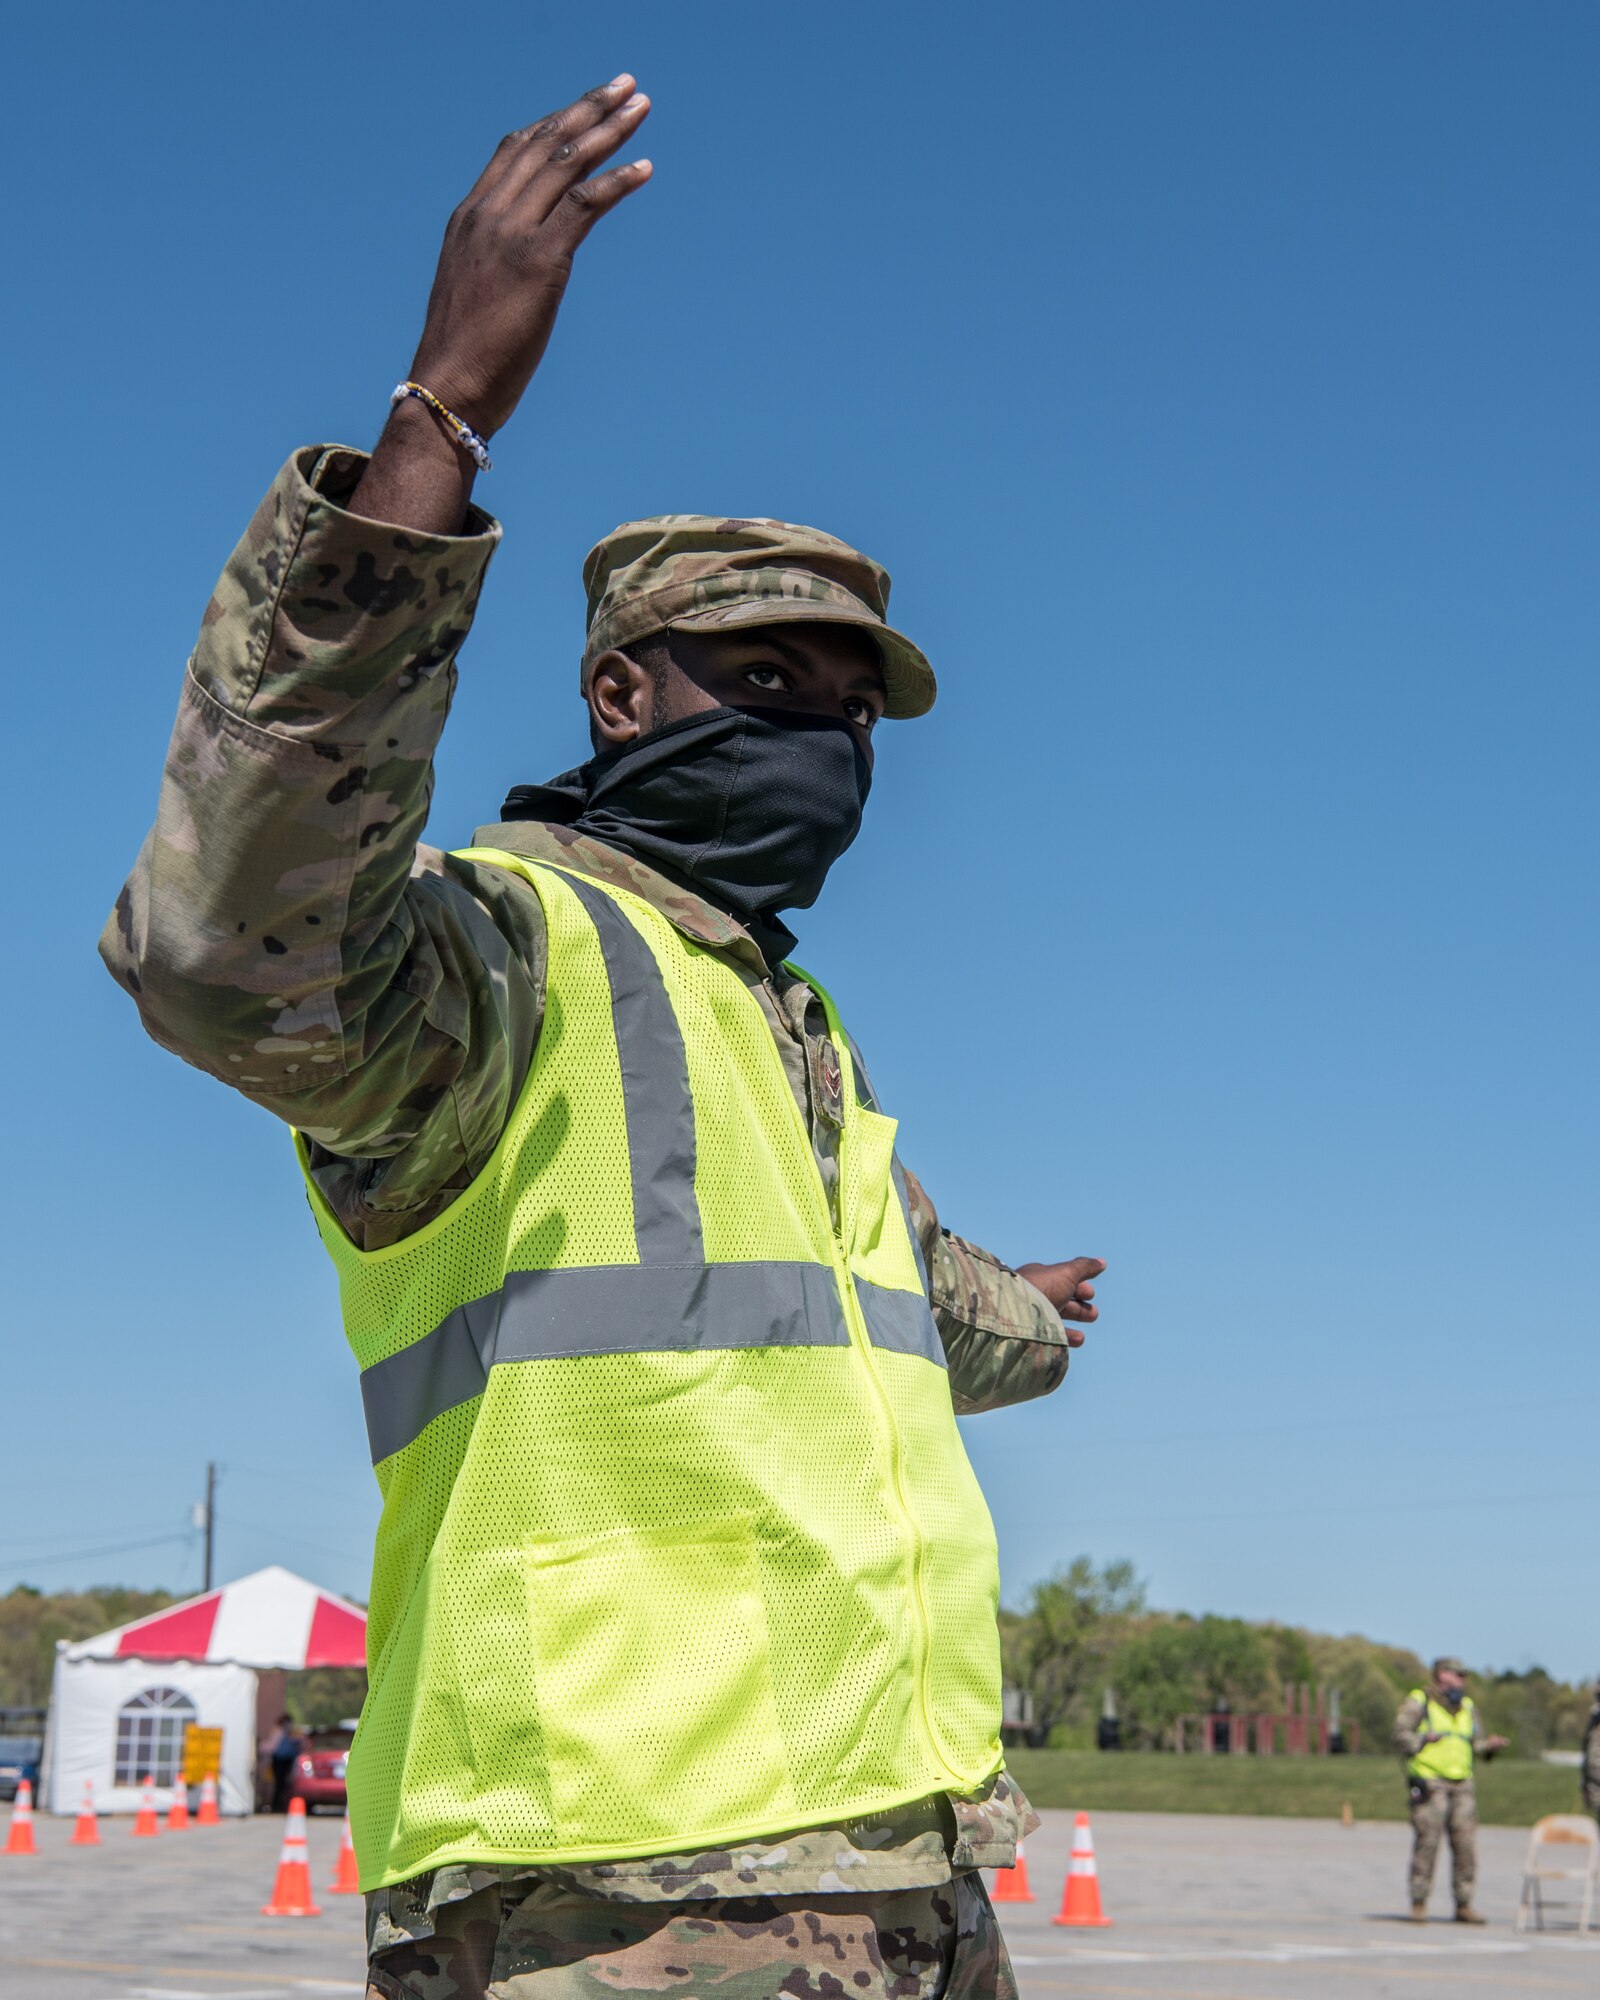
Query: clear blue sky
{"type": "Point", "coordinates": [1219, 384]}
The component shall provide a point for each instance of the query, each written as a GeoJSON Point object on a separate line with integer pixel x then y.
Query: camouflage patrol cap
{"type": "Point", "coordinates": [1449, 1665]}
{"type": "Point", "coordinates": [705, 573]}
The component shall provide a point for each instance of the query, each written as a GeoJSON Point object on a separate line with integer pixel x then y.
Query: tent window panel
{"type": "Point", "coordinates": [150, 1735]}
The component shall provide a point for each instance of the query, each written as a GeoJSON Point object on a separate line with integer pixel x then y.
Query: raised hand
{"type": "Point", "coordinates": [502, 273]}
{"type": "Point", "coordinates": [508, 251]}
{"type": "Point", "coordinates": [1069, 1289]}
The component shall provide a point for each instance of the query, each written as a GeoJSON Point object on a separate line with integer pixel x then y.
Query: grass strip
{"type": "Point", "coordinates": [1509, 1793]}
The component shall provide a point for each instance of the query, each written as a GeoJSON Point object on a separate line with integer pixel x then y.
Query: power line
{"type": "Point", "coordinates": [1332, 1512]}
{"type": "Point", "coordinates": [276, 1534]}
{"type": "Point", "coordinates": [71, 1535]}
{"type": "Point", "coordinates": [91, 1555]}
{"type": "Point", "coordinates": [1265, 1430]}
{"type": "Point", "coordinates": [360, 1477]}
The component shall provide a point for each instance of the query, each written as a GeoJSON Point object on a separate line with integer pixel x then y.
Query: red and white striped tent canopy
{"type": "Point", "coordinates": [269, 1619]}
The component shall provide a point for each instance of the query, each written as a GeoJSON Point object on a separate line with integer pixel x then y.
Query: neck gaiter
{"type": "Point", "coordinates": [749, 807]}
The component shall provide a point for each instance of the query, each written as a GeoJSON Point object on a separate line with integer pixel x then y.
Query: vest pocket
{"type": "Point", "coordinates": [878, 1230]}
{"type": "Point", "coordinates": [655, 1685]}
{"type": "Point", "coordinates": [872, 1205]}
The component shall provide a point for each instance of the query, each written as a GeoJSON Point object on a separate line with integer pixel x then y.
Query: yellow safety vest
{"type": "Point", "coordinates": [1451, 1757]}
{"type": "Point", "coordinates": [679, 1542]}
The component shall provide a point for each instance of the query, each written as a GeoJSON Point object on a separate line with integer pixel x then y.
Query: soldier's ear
{"type": "Point", "coordinates": [622, 699]}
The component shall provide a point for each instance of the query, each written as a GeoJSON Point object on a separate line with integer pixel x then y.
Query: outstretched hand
{"type": "Point", "coordinates": [1070, 1289]}
{"type": "Point", "coordinates": [502, 274]}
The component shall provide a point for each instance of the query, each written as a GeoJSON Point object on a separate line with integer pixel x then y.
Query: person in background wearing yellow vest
{"type": "Point", "coordinates": [1437, 1732]}
{"type": "Point", "coordinates": [684, 1668]}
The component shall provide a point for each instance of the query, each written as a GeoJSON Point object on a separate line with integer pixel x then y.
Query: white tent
{"type": "Point", "coordinates": [120, 1702]}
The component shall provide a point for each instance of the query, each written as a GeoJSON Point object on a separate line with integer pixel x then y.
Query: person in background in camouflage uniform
{"type": "Point", "coordinates": [1439, 1769]}
{"type": "Point", "coordinates": [1591, 1758]}
{"type": "Point", "coordinates": [284, 931]}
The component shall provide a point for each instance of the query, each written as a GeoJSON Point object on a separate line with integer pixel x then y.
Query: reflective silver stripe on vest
{"type": "Point", "coordinates": [900, 1321]}
{"type": "Point", "coordinates": [656, 1099]}
{"type": "Point", "coordinates": [601, 1309]}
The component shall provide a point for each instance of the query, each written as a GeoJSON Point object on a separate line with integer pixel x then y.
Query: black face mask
{"type": "Point", "coordinates": [1452, 1697]}
{"type": "Point", "coordinates": [750, 807]}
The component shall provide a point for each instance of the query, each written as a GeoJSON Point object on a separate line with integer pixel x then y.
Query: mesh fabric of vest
{"type": "Point", "coordinates": [1451, 1758]}
{"type": "Point", "coordinates": [675, 1597]}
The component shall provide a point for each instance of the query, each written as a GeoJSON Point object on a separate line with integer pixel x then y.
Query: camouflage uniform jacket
{"type": "Point", "coordinates": [283, 930]}
{"type": "Point", "coordinates": [1591, 1761]}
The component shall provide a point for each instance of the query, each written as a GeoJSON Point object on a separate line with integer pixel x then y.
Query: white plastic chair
{"type": "Point", "coordinates": [1562, 1847]}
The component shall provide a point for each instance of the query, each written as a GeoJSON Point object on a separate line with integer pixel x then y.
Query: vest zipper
{"type": "Point", "coordinates": [861, 1343]}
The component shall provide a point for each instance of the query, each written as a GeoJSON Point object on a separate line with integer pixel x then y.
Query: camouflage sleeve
{"type": "Point", "coordinates": [1409, 1725]}
{"type": "Point", "coordinates": [280, 929]}
{"type": "Point", "coordinates": [1003, 1342]}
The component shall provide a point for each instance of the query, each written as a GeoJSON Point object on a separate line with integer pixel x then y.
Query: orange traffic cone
{"type": "Point", "coordinates": [291, 1890]}
{"type": "Point", "coordinates": [178, 1811]}
{"type": "Point", "coordinates": [1080, 1899]}
{"type": "Point", "coordinates": [20, 1839]}
{"type": "Point", "coordinates": [1011, 1884]}
{"type": "Point", "coordinates": [207, 1815]}
{"type": "Point", "coordinates": [346, 1881]}
{"type": "Point", "coordinates": [86, 1832]}
{"type": "Point", "coordinates": [145, 1824]}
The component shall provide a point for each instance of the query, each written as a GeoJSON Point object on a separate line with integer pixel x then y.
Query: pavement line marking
{"type": "Point", "coordinates": [263, 1929]}
{"type": "Point", "coordinates": [211, 1972]}
{"type": "Point", "coordinates": [1282, 1954]}
{"type": "Point", "coordinates": [1528, 1981]}
{"type": "Point", "coordinates": [77, 1965]}
{"type": "Point", "coordinates": [284, 1990]}
{"type": "Point", "coordinates": [152, 1971]}
{"type": "Point", "coordinates": [191, 1993]}
{"type": "Point", "coordinates": [1078, 1990]}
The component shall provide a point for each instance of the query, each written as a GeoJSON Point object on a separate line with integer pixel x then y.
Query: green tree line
{"type": "Point", "coordinates": [31, 1623]}
{"type": "Point", "coordinates": [1087, 1628]}
{"type": "Point", "coordinates": [1080, 1631]}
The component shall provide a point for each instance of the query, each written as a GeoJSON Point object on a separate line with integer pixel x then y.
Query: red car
{"type": "Point", "coordinates": [319, 1770]}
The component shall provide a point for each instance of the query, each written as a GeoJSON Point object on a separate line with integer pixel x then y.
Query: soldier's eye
{"type": "Point", "coordinates": [859, 712]}
{"type": "Point", "coordinates": [764, 677]}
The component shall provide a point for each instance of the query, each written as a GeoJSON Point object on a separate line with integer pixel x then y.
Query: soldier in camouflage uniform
{"type": "Point", "coordinates": [1591, 1758]}
{"type": "Point", "coordinates": [1441, 1804]}
{"type": "Point", "coordinates": [284, 931]}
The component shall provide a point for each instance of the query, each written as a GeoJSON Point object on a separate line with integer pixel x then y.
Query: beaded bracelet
{"type": "Point", "coordinates": [477, 448]}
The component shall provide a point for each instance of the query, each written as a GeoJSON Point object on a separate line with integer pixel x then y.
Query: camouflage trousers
{"type": "Point", "coordinates": [1437, 1804]}
{"type": "Point", "coordinates": [534, 1939]}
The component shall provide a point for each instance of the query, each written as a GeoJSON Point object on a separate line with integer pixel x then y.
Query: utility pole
{"type": "Point", "coordinates": [211, 1517]}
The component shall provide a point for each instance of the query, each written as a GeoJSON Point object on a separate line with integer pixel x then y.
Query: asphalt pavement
{"type": "Point", "coordinates": [175, 1918]}
{"type": "Point", "coordinates": [1202, 1908]}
